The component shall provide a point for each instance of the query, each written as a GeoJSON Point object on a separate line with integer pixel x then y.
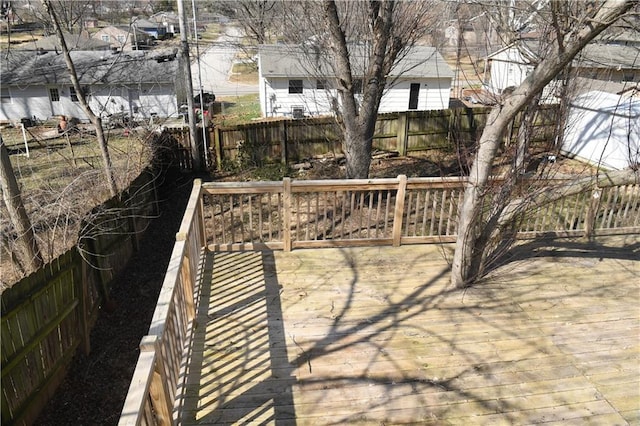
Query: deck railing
{"type": "Point", "coordinates": [329, 213]}
{"type": "Point", "coordinates": [153, 388]}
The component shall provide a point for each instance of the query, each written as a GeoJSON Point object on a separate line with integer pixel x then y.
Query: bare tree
{"type": "Point", "coordinates": [95, 119]}
{"type": "Point", "coordinates": [363, 42]}
{"type": "Point", "coordinates": [258, 18]}
{"type": "Point", "coordinates": [70, 14]}
{"type": "Point", "coordinates": [476, 227]}
{"type": "Point", "coordinates": [27, 254]}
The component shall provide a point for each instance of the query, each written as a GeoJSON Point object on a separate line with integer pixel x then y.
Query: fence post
{"type": "Point", "coordinates": [286, 215]}
{"type": "Point", "coordinates": [402, 137]}
{"type": "Point", "coordinates": [398, 211]}
{"type": "Point", "coordinates": [158, 390]}
{"type": "Point", "coordinates": [283, 142]}
{"type": "Point", "coordinates": [217, 146]}
{"type": "Point", "coordinates": [590, 219]}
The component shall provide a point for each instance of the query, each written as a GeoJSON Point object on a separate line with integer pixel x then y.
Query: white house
{"type": "Point", "coordinates": [601, 63]}
{"type": "Point", "coordinates": [295, 83]}
{"type": "Point", "coordinates": [124, 37]}
{"type": "Point", "coordinates": [169, 20]}
{"type": "Point", "coordinates": [603, 129]}
{"type": "Point", "coordinates": [37, 84]}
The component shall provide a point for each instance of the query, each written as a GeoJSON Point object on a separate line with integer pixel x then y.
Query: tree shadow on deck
{"type": "Point", "coordinates": [238, 366]}
{"type": "Point", "coordinates": [622, 247]}
{"type": "Point", "coordinates": [463, 353]}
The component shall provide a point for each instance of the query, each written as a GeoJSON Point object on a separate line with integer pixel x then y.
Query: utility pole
{"type": "Point", "coordinates": [186, 63]}
{"type": "Point", "coordinates": [204, 124]}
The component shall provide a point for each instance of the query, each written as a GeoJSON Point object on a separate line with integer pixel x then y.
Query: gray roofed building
{"type": "Point", "coordinates": [299, 80]}
{"type": "Point", "coordinates": [142, 84]}
{"type": "Point", "coordinates": [73, 42]}
{"type": "Point", "coordinates": [34, 68]}
{"type": "Point", "coordinates": [302, 61]}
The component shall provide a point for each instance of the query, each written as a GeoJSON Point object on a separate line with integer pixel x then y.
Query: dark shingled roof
{"type": "Point", "coordinates": [22, 68]}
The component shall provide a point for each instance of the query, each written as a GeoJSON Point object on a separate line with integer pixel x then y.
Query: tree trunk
{"type": "Point", "coordinates": [27, 253]}
{"type": "Point", "coordinates": [95, 120]}
{"type": "Point", "coordinates": [358, 119]}
{"type": "Point", "coordinates": [469, 250]}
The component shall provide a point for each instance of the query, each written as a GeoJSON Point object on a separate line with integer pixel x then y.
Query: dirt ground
{"type": "Point", "coordinates": [94, 390]}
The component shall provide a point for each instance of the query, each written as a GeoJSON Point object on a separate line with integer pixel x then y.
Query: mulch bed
{"type": "Point", "coordinates": [95, 387]}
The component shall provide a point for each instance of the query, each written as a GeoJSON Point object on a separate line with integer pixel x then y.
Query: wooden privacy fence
{"type": "Point", "coordinates": [290, 140]}
{"type": "Point", "coordinates": [47, 315]}
{"type": "Point", "coordinates": [331, 213]}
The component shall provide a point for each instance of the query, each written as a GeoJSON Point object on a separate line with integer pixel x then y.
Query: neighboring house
{"type": "Point", "coordinates": [91, 22]}
{"type": "Point", "coordinates": [169, 20]}
{"type": "Point", "coordinates": [155, 30]}
{"type": "Point", "coordinates": [602, 63]}
{"type": "Point", "coordinates": [292, 86]}
{"type": "Point", "coordinates": [73, 42]}
{"type": "Point", "coordinates": [603, 129]}
{"type": "Point", "coordinates": [139, 84]}
{"type": "Point", "coordinates": [123, 38]}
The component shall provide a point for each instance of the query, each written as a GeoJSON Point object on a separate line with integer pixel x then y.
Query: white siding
{"type": "Point", "coordinates": [433, 95]}
{"type": "Point", "coordinates": [275, 99]}
{"type": "Point", "coordinates": [26, 103]}
{"type": "Point", "coordinates": [151, 100]}
{"type": "Point", "coordinates": [507, 74]}
{"type": "Point", "coordinates": [34, 101]}
{"type": "Point", "coordinates": [157, 100]}
{"type": "Point", "coordinates": [508, 69]}
{"type": "Point", "coordinates": [604, 129]}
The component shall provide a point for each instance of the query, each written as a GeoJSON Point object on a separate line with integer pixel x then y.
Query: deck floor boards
{"type": "Point", "coordinates": [375, 335]}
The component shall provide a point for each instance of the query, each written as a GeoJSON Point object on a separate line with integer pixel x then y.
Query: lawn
{"type": "Point", "coordinates": [236, 110]}
{"type": "Point", "coordinates": [61, 178]}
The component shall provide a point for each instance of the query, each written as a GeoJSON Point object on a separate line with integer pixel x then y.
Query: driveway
{"type": "Point", "coordinates": [215, 67]}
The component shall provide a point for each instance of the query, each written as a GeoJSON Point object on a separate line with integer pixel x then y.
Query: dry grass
{"type": "Point", "coordinates": [61, 180]}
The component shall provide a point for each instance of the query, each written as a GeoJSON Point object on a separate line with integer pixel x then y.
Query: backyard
{"type": "Point", "coordinates": [61, 179]}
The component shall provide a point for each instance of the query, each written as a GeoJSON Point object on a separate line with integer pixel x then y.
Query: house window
{"type": "Point", "coordinates": [5, 96]}
{"type": "Point", "coordinates": [72, 94]}
{"type": "Point", "coordinates": [321, 84]}
{"type": "Point", "coordinates": [414, 93]}
{"type": "Point", "coordinates": [628, 76]}
{"type": "Point", "coordinates": [54, 95]}
{"type": "Point", "coordinates": [120, 39]}
{"type": "Point", "coordinates": [105, 38]}
{"type": "Point", "coordinates": [295, 86]}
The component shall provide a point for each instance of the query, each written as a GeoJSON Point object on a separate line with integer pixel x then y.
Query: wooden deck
{"type": "Point", "coordinates": [375, 336]}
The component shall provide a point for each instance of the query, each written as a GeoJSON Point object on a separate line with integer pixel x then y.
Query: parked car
{"type": "Point", "coordinates": [209, 98]}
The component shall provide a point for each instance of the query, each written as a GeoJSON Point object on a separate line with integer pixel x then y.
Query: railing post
{"type": "Point", "coordinates": [590, 219]}
{"type": "Point", "coordinates": [188, 286]}
{"type": "Point", "coordinates": [158, 390]}
{"type": "Point", "coordinates": [398, 211]}
{"type": "Point", "coordinates": [286, 214]}
{"type": "Point", "coordinates": [199, 212]}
